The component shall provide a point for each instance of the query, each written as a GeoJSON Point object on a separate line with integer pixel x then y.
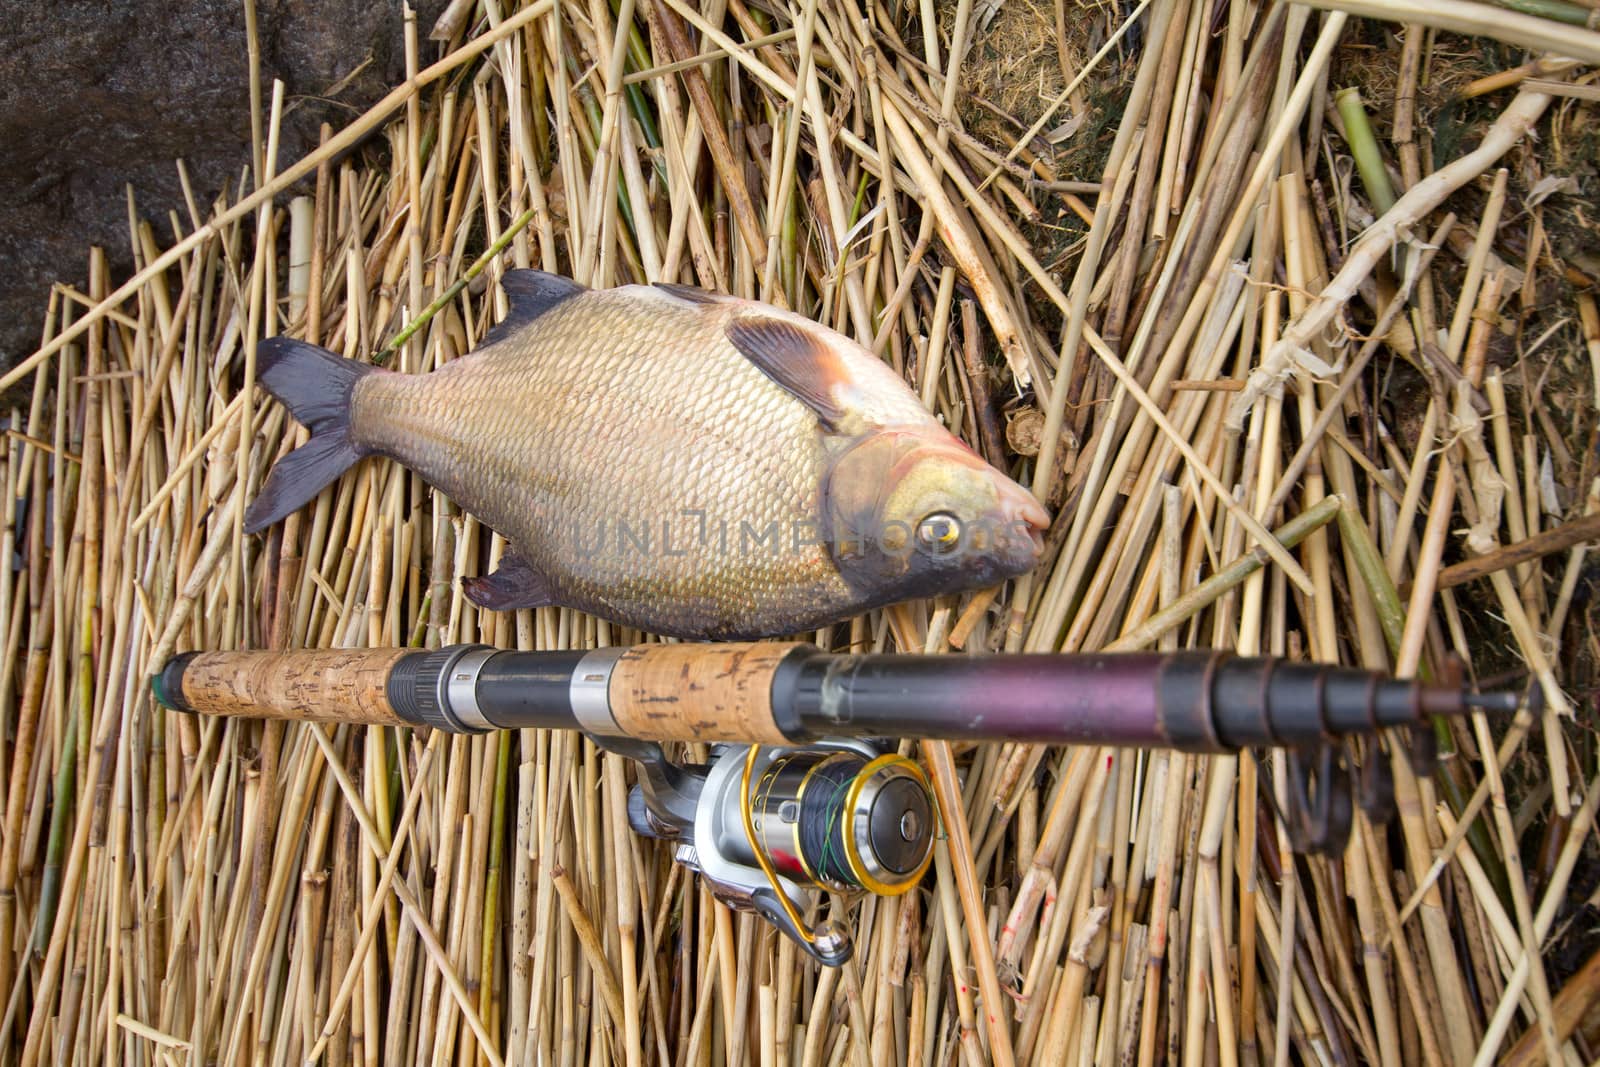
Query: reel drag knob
{"type": "Point", "coordinates": [891, 833]}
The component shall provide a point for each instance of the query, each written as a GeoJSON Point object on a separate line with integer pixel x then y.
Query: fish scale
{"type": "Point", "coordinates": [678, 461]}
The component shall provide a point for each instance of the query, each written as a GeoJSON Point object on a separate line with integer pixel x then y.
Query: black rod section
{"type": "Point", "coordinates": [1195, 701]}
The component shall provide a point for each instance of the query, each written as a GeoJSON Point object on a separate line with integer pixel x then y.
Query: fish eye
{"type": "Point", "coordinates": [939, 532]}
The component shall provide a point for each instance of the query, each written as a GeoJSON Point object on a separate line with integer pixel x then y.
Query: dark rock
{"type": "Point", "coordinates": [96, 97]}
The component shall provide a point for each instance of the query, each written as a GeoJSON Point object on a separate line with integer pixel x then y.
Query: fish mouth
{"type": "Point", "coordinates": [1036, 534]}
{"type": "Point", "coordinates": [1023, 511]}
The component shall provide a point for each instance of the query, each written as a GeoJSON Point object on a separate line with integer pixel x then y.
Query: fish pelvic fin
{"type": "Point", "coordinates": [316, 386]}
{"type": "Point", "coordinates": [515, 584]}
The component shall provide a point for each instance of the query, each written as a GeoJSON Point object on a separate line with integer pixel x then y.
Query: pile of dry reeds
{"type": "Point", "coordinates": [1273, 304]}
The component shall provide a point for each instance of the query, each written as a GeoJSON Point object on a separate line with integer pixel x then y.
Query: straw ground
{"type": "Point", "coordinates": [1209, 290]}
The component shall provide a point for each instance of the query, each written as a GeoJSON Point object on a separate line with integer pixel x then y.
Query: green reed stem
{"type": "Point", "coordinates": [456, 287]}
{"type": "Point", "coordinates": [1392, 617]}
{"type": "Point", "coordinates": [1212, 589]}
{"type": "Point", "coordinates": [1554, 10]}
{"type": "Point", "coordinates": [1364, 147]}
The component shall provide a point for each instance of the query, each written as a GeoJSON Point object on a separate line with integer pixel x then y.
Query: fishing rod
{"type": "Point", "coordinates": [799, 792]}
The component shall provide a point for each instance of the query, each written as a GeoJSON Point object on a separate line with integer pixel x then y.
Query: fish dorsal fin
{"type": "Point", "coordinates": [692, 293]}
{"type": "Point", "coordinates": [800, 361]}
{"type": "Point", "coordinates": [531, 293]}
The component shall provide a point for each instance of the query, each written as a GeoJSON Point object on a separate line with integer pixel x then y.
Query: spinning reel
{"type": "Point", "coordinates": [763, 825]}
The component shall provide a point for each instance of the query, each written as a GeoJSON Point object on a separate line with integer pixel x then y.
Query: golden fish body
{"type": "Point", "coordinates": [684, 463]}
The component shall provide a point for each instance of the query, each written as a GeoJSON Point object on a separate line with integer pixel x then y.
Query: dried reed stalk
{"type": "Point", "coordinates": [175, 891]}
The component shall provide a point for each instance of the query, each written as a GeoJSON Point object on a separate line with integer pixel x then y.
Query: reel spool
{"type": "Point", "coordinates": [769, 824]}
{"type": "Point", "coordinates": [840, 821]}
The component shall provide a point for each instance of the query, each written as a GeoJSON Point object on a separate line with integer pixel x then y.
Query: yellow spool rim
{"type": "Point", "coordinates": [852, 853]}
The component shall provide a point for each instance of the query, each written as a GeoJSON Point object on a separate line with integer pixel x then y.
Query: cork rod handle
{"type": "Point", "coordinates": [323, 685]}
{"type": "Point", "coordinates": [694, 692]}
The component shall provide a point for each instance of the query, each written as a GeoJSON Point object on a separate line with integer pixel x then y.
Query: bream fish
{"type": "Point", "coordinates": [674, 460]}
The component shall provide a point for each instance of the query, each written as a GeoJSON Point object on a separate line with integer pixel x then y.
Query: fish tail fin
{"type": "Point", "coordinates": [316, 386]}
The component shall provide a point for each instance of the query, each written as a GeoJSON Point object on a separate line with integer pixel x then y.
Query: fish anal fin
{"type": "Point", "coordinates": [531, 293]}
{"type": "Point", "coordinates": [797, 359]}
{"type": "Point", "coordinates": [515, 584]}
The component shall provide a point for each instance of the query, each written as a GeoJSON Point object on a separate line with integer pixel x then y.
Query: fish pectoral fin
{"type": "Point", "coordinates": [800, 361]}
{"type": "Point", "coordinates": [531, 293]}
{"type": "Point", "coordinates": [515, 584]}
